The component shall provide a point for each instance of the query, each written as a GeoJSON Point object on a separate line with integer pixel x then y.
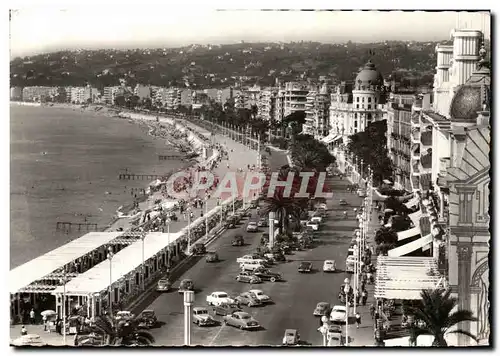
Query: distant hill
{"type": "Point", "coordinates": [223, 65]}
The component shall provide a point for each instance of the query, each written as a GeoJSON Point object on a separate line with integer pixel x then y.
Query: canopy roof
{"type": "Point", "coordinates": [35, 270]}
{"type": "Point", "coordinates": [331, 138]}
{"type": "Point", "coordinates": [410, 247]}
{"type": "Point", "coordinates": [125, 261]}
{"type": "Point", "coordinates": [405, 277]}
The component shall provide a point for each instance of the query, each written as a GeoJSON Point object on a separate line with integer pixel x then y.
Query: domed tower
{"type": "Point", "coordinates": [368, 87]}
{"type": "Point", "coordinates": [472, 100]}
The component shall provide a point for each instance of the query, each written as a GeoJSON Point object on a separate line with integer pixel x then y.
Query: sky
{"type": "Point", "coordinates": [40, 30]}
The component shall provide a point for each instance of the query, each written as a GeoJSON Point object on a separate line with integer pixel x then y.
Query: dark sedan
{"type": "Point", "coordinates": [267, 275]}
{"type": "Point", "coordinates": [305, 267]}
{"type": "Point", "coordinates": [226, 309]}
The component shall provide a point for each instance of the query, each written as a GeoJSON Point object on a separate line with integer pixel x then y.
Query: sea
{"type": "Point", "coordinates": [64, 166]}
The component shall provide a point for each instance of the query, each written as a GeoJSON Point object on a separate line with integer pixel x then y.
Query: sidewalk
{"type": "Point", "coordinates": [52, 338]}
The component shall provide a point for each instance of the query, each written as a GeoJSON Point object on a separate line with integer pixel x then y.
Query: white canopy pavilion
{"type": "Point", "coordinates": [41, 267]}
{"type": "Point", "coordinates": [405, 277]}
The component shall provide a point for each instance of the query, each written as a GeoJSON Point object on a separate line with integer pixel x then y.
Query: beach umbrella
{"type": "Point", "coordinates": [48, 313]}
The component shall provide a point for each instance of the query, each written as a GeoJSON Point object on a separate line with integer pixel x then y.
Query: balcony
{"type": "Point", "coordinates": [426, 161]}
{"type": "Point", "coordinates": [426, 138]}
{"type": "Point", "coordinates": [415, 137]}
{"type": "Point", "coordinates": [444, 164]}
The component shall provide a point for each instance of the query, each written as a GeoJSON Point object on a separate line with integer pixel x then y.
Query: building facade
{"type": "Point", "coordinates": [317, 113]}
{"type": "Point", "coordinates": [38, 93]}
{"type": "Point", "coordinates": [266, 104]}
{"type": "Point", "coordinates": [16, 93]}
{"type": "Point", "coordinates": [294, 97]}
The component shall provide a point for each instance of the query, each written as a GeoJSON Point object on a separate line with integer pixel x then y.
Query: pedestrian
{"type": "Point", "coordinates": [372, 310]}
{"type": "Point", "coordinates": [32, 316]}
{"type": "Point", "coordinates": [24, 331]}
{"type": "Point", "coordinates": [44, 320]}
{"type": "Point", "coordinates": [358, 320]}
{"type": "Point", "coordinates": [364, 297]}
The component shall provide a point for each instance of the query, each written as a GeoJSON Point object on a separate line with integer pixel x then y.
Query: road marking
{"type": "Point", "coordinates": [217, 335]}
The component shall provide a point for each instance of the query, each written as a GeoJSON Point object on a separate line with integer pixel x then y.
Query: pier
{"type": "Point", "coordinates": [169, 157]}
{"type": "Point", "coordinates": [130, 176]}
{"type": "Point", "coordinates": [67, 226]}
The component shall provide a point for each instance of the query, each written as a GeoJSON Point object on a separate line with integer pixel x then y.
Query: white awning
{"type": "Point", "coordinates": [412, 202]}
{"type": "Point", "coordinates": [410, 247]}
{"type": "Point", "coordinates": [42, 266]}
{"type": "Point", "coordinates": [405, 277]}
{"type": "Point", "coordinates": [125, 261]}
{"type": "Point", "coordinates": [328, 138]}
{"type": "Point", "coordinates": [415, 217]}
{"type": "Point", "coordinates": [409, 233]}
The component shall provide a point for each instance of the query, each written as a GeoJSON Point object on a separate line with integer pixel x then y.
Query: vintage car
{"type": "Point", "coordinates": [185, 285]}
{"type": "Point", "coordinates": [198, 249]}
{"type": "Point", "coordinates": [248, 258]}
{"type": "Point", "coordinates": [212, 256]}
{"type": "Point", "coordinates": [260, 295]}
{"type": "Point", "coordinates": [247, 277]}
{"type": "Point", "coordinates": [334, 335]}
{"type": "Point", "coordinates": [147, 319]}
{"type": "Point", "coordinates": [238, 241]}
{"type": "Point", "coordinates": [201, 317]}
{"type": "Point", "coordinates": [338, 314]}
{"type": "Point", "coordinates": [322, 309]}
{"type": "Point", "coordinates": [329, 266]}
{"type": "Point", "coordinates": [226, 308]}
{"type": "Point", "coordinates": [266, 274]}
{"type": "Point", "coordinates": [305, 267]}
{"type": "Point", "coordinates": [248, 299]}
{"type": "Point", "coordinates": [218, 298]}
{"type": "Point", "coordinates": [163, 285]}
{"type": "Point", "coordinates": [343, 202]}
{"type": "Point", "coordinates": [241, 320]}
{"type": "Point", "coordinates": [252, 226]}
{"type": "Point", "coordinates": [317, 217]}
{"type": "Point", "coordinates": [231, 222]}
{"type": "Point", "coordinates": [124, 315]}
{"type": "Point", "coordinates": [291, 337]}
{"type": "Point", "coordinates": [262, 222]}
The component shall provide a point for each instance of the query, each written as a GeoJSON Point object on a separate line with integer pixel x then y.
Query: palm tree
{"type": "Point", "coordinates": [435, 309]}
{"type": "Point", "coordinates": [284, 208]}
{"type": "Point", "coordinates": [108, 332]}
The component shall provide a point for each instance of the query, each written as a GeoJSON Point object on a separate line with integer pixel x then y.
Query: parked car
{"type": "Point", "coordinates": [185, 285]}
{"type": "Point", "coordinates": [218, 298]}
{"type": "Point", "coordinates": [147, 318]}
{"type": "Point", "coordinates": [323, 206]}
{"type": "Point", "coordinates": [317, 217]}
{"type": "Point", "coordinates": [314, 225]}
{"type": "Point", "coordinates": [201, 317]}
{"type": "Point", "coordinates": [198, 249]}
{"type": "Point", "coordinates": [338, 314]}
{"type": "Point", "coordinates": [305, 267]}
{"type": "Point", "coordinates": [266, 274]}
{"type": "Point", "coordinates": [246, 277]}
{"type": "Point", "coordinates": [226, 309]}
{"type": "Point", "coordinates": [212, 256]}
{"type": "Point", "coordinates": [252, 265]}
{"type": "Point", "coordinates": [238, 241]}
{"type": "Point", "coordinates": [262, 222]}
{"type": "Point", "coordinates": [322, 309]}
{"type": "Point", "coordinates": [252, 226]}
{"type": "Point", "coordinates": [260, 295]}
{"type": "Point", "coordinates": [248, 299]}
{"type": "Point", "coordinates": [343, 202]}
{"type": "Point", "coordinates": [163, 285]}
{"type": "Point", "coordinates": [241, 320]}
{"type": "Point", "coordinates": [334, 335]}
{"type": "Point", "coordinates": [329, 266]}
{"type": "Point", "coordinates": [231, 222]}
{"type": "Point", "coordinates": [247, 258]}
{"type": "Point", "coordinates": [124, 315]}
{"type": "Point", "coordinates": [291, 337]}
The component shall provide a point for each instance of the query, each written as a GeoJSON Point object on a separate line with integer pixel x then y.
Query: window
{"type": "Point", "coordinates": [356, 124]}
{"type": "Point", "coordinates": [362, 106]}
{"type": "Point", "coordinates": [357, 106]}
{"type": "Point", "coordinates": [127, 286]}
{"type": "Point", "coordinates": [363, 99]}
{"type": "Point", "coordinates": [357, 99]}
{"type": "Point", "coordinates": [369, 99]}
{"type": "Point", "coordinates": [369, 115]}
{"type": "Point", "coordinates": [465, 208]}
{"type": "Point", "coordinates": [369, 106]}
{"type": "Point", "coordinates": [355, 116]}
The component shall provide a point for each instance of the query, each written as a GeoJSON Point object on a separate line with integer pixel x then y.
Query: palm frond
{"type": "Point", "coordinates": [458, 317]}
{"type": "Point", "coordinates": [464, 332]}
{"type": "Point", "coordinates": [415, 332]}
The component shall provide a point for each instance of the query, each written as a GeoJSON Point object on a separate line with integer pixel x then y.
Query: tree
{"type": "Point", "coordinates": [108, 331]}
{"type": "Point", "coordinates": [435, 309]}
{"type": "Point", "coordinates": [386, 235]}
{"type": "Point", "coordinates": [310, 155]}
{"type": "Point", "coordinates": [284, 208]}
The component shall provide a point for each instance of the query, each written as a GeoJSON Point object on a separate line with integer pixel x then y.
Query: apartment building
{"type": "Point", "coordinates": [266, 103]}
{"type": "Point", "coordinates": [38, 93]}
{"type": "Point", "coordinates": [81, 95]}
{"type": "Point", "coordinates": [294, 97]}
{"type": "Point", "coordinates": [142, 91]}
{"type": "Point", "coordinates": [172, 98]}
{"type": "Point", "coordinates": [16, 93]}
{"type": "Point", "coordinates": [317, 112]}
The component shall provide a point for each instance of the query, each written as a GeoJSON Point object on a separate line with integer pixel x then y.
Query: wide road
{"type": "Point", "coordinates": [294, 299]}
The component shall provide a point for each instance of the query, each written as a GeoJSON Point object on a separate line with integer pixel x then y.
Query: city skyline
{"type": "Point", "coordinates": [85, 28]}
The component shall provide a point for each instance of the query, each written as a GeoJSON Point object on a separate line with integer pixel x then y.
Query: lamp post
{"type": "Point", "coordinates": [206, 220]}
{"type": "Point", "coordinates": [219, 203]}
{"type": "Point", "coordinates": [64, 280]}
{"type": "Point", "coordinates": [234, 198]}
{"type": "Point", "coordinates": [346, 291]}
{"type": "Point", "coordinates": [188, 302]}
{"type": "Point", "coordinates": [143, 237]}
{"type": "Point", "coordinates": [110, 259]}
{"type": "Point", "coordinates": [356, 272]}
{"type": "Point", "coordinates": [189, 230]}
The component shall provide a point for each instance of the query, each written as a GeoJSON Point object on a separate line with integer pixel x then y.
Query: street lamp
{"type": "Point", "coordinates": [188, 302]}
{"type": "Point", "coordinates": [64, 280]}
{"type": "Point", "coordinates": [356, 272]}
{"type": "Point", "coordinates": [143, 237]}
{"type": "Point", "coordinates": [206, 220]}
{"type": "Point", "coordinates": [110, 258]}
{"type": "Point", "coordinates": [221, 208]}
{"type": "Point", "coordinates": [346, 291]}
{"type": "Point", "coordinates": [189, 229]}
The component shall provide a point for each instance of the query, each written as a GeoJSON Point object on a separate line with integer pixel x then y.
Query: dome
{"type": "Point", "coordinates": [474, 95]}
{"type": "Point", "coordinates": [369, 75]}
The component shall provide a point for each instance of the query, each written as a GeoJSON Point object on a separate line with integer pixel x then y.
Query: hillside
{"type": "Point", "coordinates": [223, 65]}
